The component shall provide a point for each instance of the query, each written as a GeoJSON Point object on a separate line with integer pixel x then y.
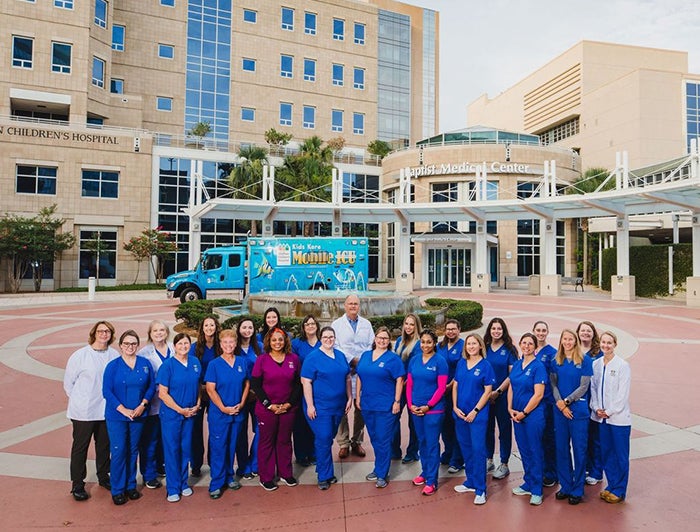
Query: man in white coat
{"type": "Point", "coordinates": [353, 336]}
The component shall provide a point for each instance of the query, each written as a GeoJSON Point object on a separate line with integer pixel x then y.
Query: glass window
{"type": "Point", "coordinates": [338, 29]}
{"type": "Point", "coordinates": [168, 3]}
{"type": "Point", "coordinates": [22, 51]}
{"type": "Point", "coordinates": [60, 57]}
{"type": "Point", "coordinates": [98, 72]}
{"type": "Point", "coordinates": [309, 117]}
{"type": "Point", "coordinates": [310, 23]}
{"type": "Point", "coordinates": [166, 51]}
{"type": "Point", "coordinates": [118, 36]}
{"type": "Point", "coordinates": [286, 66]}
{"type": "Point", "coordinates": [116, 86]}
{"type": "Point", "coordinates": [358, 78]}
{"type": "Point", "coordinates": [358, 123]}
{"type": "Point", "coordinates": [164, 103]}
{"type": "Point", "coordinates": [250, 16]}
{"type": "Point", "coordinates": [309, 70]}
{"type": "Point", "coordinates": [63, 4]}
{"type": "Point", "coordinates": [285, 114]}
{"type": "Point", "coordinates": [36, 180]}
{"type": "Point", "coordinates": [95, 121]}
{"type": "Point", "coordinates": [248, 64]}
{"type": "Point", "coordinates": [100, 184]}
{"type": "Point", "coordinates": [98, 247]}
{"type": "Point", "coordinates": [444, 192]}
{"type": "Point", "coordinates": [336, 120]}
{"type": "Point", "coordinates": [338, 74]}
{"type": "Point", "coordinates": [248, 114]}
{"type": "Point", "coordinates": [359, 33]}
{"type": "Point", "coordinates": [101, 13]}
{"type": "Point", "coordinates": [287, 18]}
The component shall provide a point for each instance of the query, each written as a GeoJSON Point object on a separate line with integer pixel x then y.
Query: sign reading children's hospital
{"type": "Point", "coordinates": [51, 134]}
{"type": "Point", "coordinates": [493, 167]}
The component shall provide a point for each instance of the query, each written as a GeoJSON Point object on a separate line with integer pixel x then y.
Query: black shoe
{"type": "Point", "coordinates": [333, 480]}
{"type": "Point", "coordinates": [153, 484]}
{"type": "Point", "coordinates": [269, 486]}
{"type": "Point", "coordinates": [133, 494]}
{"type": "Point", "coordinates": [106, 484]}
{"type": "Point", "coordinates": [119, 499]}
{"type": "Point", "coordinates": [79, 493]}
{"type": "Point", "coordinates": [560, 495]}
{"type": "Point", "coordinates": [573, 499]}
{"type": "Point", "coordinates": [409, 459]}
{"type": "Point", "coordinates": [548, 482]}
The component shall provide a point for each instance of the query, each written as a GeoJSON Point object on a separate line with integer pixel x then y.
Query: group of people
{"type": "Point", "coordinates": [145, 407]}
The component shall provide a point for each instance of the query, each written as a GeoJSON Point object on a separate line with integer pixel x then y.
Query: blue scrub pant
{"type": "Point", "coordinates": [247, 457]}
{"type": "Point", "coordinates": [124, 439]}
{"type": "Point", "coordinates": [151, 449]}
{"type": "Point", "coordinates": [499, 412]}
{"type": "Point", "coordinates": [303, 439]}
{"type": "Point", "coordinates": [615, 446]}
{"type": "Point", "coordinates": [428, 428]}
{"type": "Point", "coordinates": [571, 478]}
{"type": "Point", "coordinates": [528, 435]}
{"type": "Point", "coordinates": [223, 436]}
{"type": "Point", "coordinates": [594, 463]}
{"type": "Point", "coordinates": [177, 447]}
{"type": "Point", "coordinates": [325, 427]}
{"type": "Point", "coordinates": [452, 454]}
{"type": "Point", "coordinates": [471, 438]}
{"type": "Point", "coordinates": [380, 426]}
{"type": "Point", "coordinates": [548, 443]}
{"type": "Point", "coordinates": [412, 449]}
{"type": "Point", "coordinates": [197, 458]}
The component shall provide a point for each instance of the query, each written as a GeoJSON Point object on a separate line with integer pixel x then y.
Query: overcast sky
{"type": "Point", "coordinates": [488, 46]}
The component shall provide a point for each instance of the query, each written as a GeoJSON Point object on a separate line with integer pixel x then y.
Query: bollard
{"type": "Point", "coordinates": [91, 289]}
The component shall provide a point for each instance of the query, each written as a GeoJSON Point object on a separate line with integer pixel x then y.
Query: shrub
{"type": "Point", "coordinates": [193, 312]}
{"type": "Point", "coordinates": [467, 313]}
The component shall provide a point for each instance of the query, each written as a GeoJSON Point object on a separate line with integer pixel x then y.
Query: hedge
{"type": "Point", "coordinates": [193, 312]}
{"type": "Point", "coordinates": [468, 313]}
{"type": "Point", "coordinates": [649, 265]}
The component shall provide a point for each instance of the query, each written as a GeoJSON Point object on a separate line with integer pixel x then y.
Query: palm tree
{"type": "Point", "coordinates": [246, 177]}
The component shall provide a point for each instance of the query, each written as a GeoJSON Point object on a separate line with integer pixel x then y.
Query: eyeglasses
{"type": "Point", "coordinates": [327, 337]}
{"type": "Point", "coordinates": [130, 344]}
{"type": "Point", "coordinates": [103, 331]}
{"type": "Point", "coordinates": [382, 338]}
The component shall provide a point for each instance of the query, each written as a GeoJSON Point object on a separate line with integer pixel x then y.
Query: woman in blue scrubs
{"type": "Point", "coordinates": [527, 379]}
{"type": "Point", "coordinates": [248, 347]}
{"type": "Point", "coordinates": [325, 378]}
{"type": "Point", "coordinates": [545, 353]}
{"type": "Point", "coordinates": [590, 345]}
{"type": "Point", "coordinates": [305, 343]}
{"type": "Point", "coordinates": [425, 393]}
{"type": "Point", "coordinates": [451, 348]}
{"type": "Point", "coordinates": [570, 375]}
{"type": "Point", "coordinates": [128, 385]}
{"type": "Point", "coordinates": [407, 346]}
{"type": "Point", "coordinates": [380, 375]}
{"type": "Point", "coordinates": [179, 382]}
{"type": "Point", "coordinates": [471, 390]}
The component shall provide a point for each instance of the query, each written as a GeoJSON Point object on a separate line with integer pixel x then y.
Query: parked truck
{"type": "Point", "coordinates": [272, 264]}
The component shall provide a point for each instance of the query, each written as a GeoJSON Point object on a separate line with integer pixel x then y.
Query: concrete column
{"type": "Point", "coordinates": [623, 284]}
{"type": "Point", "coordinates": [693, 283]}
{"type": "Point", "coordinates": [550, 282]}
{"type": "Point", "coordinates": [195, 232]}
{"type": "Point", "coordinates": [337, 187]}
{"type": "Point", "coordinates": [403, 275]}
{"type": "Point", "coordinates": [480, 276]}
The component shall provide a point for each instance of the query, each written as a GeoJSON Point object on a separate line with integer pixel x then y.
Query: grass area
{"type": "Point", "coordinates": [118, 288]}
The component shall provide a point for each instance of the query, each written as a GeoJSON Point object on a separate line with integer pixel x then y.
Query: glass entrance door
{"type": "Point", "coordinates": [450, 268]}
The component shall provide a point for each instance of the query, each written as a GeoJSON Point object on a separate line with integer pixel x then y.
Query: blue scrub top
{"type": "Point", "coordinates": [546, 355]}
{"type": "Point", "coordinates": [523, 383]}
{"type": "Point", "coordinates": [379, 380]}
{"type": "Point", "coordinates": [470, 385]}
{"type": "Point", "coordinates": [183, 384]}
{"type": "Point", "coordinates": [208, 355]}
{"type": "Point", "coordinates": [425, 377]}
{"type": "Point", "coordinates": [500, 360]}
{"type": "Point", "coordinates": [327, 377]}
{"type": "Point", "coordinates": [453, 355]}
{"type": "Point", "coordinates": [229, 381]}
{"type": "Point", "coordinates": [122, 385]}
{"type": "Point", "coordinates": [569, 378]}
{"type": "Point", "coordinates": [302, 348]}
{"type": "Point", "coordinates": [414, 352]}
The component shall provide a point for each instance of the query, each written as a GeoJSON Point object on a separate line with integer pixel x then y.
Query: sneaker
{"type": "Point", "coordinates": [418, 481]}
{"type": "Point", "coordinates": [234, 485]}
{"type": "Point", "coordinates": [248, 476]}
{"type": "Point", "coordinates": [381, 483]}
{"type": "Point", "coordinates": [216, 494]}
{"type": "Point", "coordinates": [154, 484]}
{"type": "Point", "coordinates": [548, 482]}
{"type": "Point", "coordinates": [269, 486]}
{"type": "Point", "coordinates": [480, 499]}
{"type": "Point", "coordinates": [489, 465]}
{"type": "Point", "coordinates": [461, 488]}
{"type": "Point", "coordinates": [333, 480]}
{"type": "Point", "coordinates": [409, 459]}
{"type": "Point", "coordinates": [79, 493]}
{"type": "Point", "coordinates": [133, 494]}
{"type": "Point", "coordinates": [372, 477]}
{"type": "Point", "coordinates": [429, 490]}
{"type": "Point", "coordinates": [536, 500]}
{"type": "Point", "coordinates": [454, 469]}
{"type": "Point", "coordinates": [501, 471]}
{"type": "Point", "coordinates": [520, 491]}
{"type": "Point", "coordinates": [290, 481]}
{"type": "Point", "coordinates": [324, 485]}
{"type": "Point", "coordinates": [187, 492]}
{"type": "Point", "coordinates": [254, 473]}
{"type": "Point", "coordinates": [173, 498]}
{"type": "Point", "coordinates": [592, 481]}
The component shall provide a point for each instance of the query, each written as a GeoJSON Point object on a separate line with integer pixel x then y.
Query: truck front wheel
{"type": "Point", "coordinates": [190, 294]}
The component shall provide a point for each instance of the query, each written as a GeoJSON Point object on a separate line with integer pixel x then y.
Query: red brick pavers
{"type": "Point", "coordinates": [660, 340]}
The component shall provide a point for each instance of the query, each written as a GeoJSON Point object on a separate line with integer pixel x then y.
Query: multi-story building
{"type": "Point", "coordinates": [97, 98]}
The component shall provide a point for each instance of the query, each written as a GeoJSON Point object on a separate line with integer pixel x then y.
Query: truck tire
{"type": "Point", "coordinates": [190, 294]}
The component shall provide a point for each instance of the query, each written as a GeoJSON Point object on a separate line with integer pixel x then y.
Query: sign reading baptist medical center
{"type": "Point", "coordinates": [494, 167]}
{"type": "Point", "coordinates": [19, 131]}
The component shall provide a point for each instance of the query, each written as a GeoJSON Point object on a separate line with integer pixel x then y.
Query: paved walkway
{"type": "Point", "coordinates": [660, 340]}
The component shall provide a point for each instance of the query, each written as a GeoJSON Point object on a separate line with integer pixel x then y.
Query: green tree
{"type": "Point", "coordinates": [96, 247]}
{"type": "Point", "coordinates": [246, 177]}
{"type": "Point", "coordinates": [379, 148]}
{"type": "Point", "coordinates": [277, 139]}
{"type": "Point", "coordinates": [154, 244]}
{"type": "Point", "coordinates": [200, 130]}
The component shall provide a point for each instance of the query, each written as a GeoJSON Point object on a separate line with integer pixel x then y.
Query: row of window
{"type": "Point", "coordinates": [288, 15]}
{"type": "Point", "coordinates": [337, 71]}
{"type": "Point", "coordinates": [42, 180]}
{"type": "Point", "coordinates": [165, 51]}
{"type": "Point", "coordinates": [309, 118]}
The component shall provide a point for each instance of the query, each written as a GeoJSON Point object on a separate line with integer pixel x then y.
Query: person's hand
{"type": "Point", "coordinates": [471, 416]}
{"type": "Point", "coordinates": [514, 415]}
{"type": "Point", "coordinates": [568, 414]}
{"type": "Point", "coordinates": [348, 405]}
{"type": "Point", "coordinates": [357, 404]}
{"type": "Point", "coordinates": [601, 413]}
{"type": "Point", "coordinates": [459, 412]}
{"type": "Point", "coordinates": [396, 408]}
{"type": "Point", "coordinates": [311, 411]}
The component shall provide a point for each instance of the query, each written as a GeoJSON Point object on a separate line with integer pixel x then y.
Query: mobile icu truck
{"type": "Point", "coordinates": [274, 264]}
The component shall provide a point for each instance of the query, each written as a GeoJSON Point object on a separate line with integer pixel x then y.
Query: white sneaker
{"type": "Point", "coordinates": [592, 481]}
{"type": "Point", "coordinates": [480, 499]}
{"type": "Point", "coordinates": [187, 492]}
{"type": "Point", "coordinates": [536, 500]}
{"type": "Point", "coordinates": [174, 498]}
{"type": "Point", "coordinates": [489, 465]}
{"type": "Point", "coordinates": [461, 488]}
{"type": "Point", "coordinates": [501, 471]}
{"type": "Point", "coordinates": [520, 491]}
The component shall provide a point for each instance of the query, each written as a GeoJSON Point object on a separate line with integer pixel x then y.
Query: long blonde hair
{"type": "Point", "coordinates": [407, 343]}
{"type": "Point", "coordinates": [578, 354]}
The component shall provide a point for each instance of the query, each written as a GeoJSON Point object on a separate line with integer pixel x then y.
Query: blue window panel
{"type": "Point", "coordinates": [164, 104]}
{"type": "Point", "coordinates": [166, 51]}
{"type": "Point", "coordinates": [36, 180]}
{"type": "Point", "coordinates": [100, 184]}
{"type": "Point", "coordinates": [692, 89]}
{"type": "Point", "coordinates": [336, 120]}
{"type": "Point", "coordinates": [22, 52]}
{"type": "Point", "coordinates": [310, 23]}
{"type": "Point", "coordinates": [359, 33]}
{"type": "Point", "coordinates": [309, 121]}
{"type": "Point", "coordinates": [285, 114]}
{"type": "Point", "coordinates": [118, 38]}
{"type": "Point", "coordinates": [168, 3]}
{"type": "Point", "coordinates": [60, 57]}
{"type": "Point", "coordinates": [250, 16]}
{"type": "Point", "coordinates": [116, 86]}
{"type": "Point", "coordinates": [287, 18]}
{"type": "Point", "coordinates": [309, 70]}
{"type": "Point", "coordinates": [286, 66]}
{"type": "Point", "coordinates": [338, 29]}
{"type": "Point", "coordinates": [98, 72]}
{"type": "Point", "coordinates": [101, 13]}
{"type": "Point", "coordinates": [358, 78]}
{"type": "Point", "coordinates": [248, 64]}
{"type": "Point", "coordinates": [358, 123]}
{"type": "Point", "coordinates": [247, 114]}
{"type": "Point", "coordinates": [338, 74]}
{"type": "Point", "coordinates": [63, 4]}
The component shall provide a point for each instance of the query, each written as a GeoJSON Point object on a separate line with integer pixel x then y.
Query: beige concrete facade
{"type": "Point", "coordinates": [599, 98]}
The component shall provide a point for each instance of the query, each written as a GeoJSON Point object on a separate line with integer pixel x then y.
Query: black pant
{"type": "Point", "coordinates": [83, 432]}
